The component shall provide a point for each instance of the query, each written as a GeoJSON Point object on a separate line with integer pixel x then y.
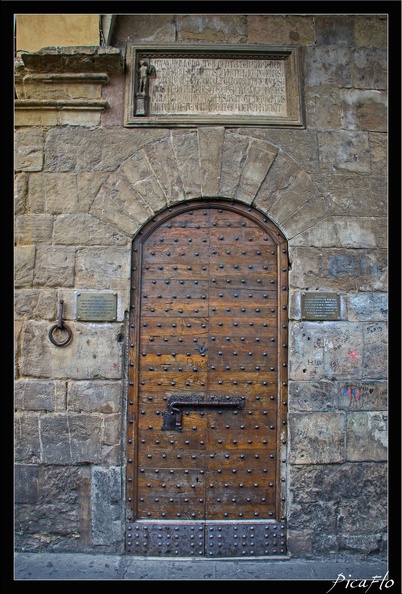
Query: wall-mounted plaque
{"type": "Point", "coordinates": [184, 85]}
{"type": "Point", "coordinates": [320, 306]}
{"type": "Point", "coordinates": [96, 307]}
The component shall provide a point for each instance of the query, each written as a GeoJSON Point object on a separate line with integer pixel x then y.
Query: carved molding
{"type": "Point", "coordinates": [63, 85]}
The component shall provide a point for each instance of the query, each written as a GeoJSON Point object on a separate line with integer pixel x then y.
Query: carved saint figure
{"type": "Point", "coordinates": [145, 71]}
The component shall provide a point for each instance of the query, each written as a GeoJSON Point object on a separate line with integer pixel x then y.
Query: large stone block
{"type": "Point", "coordinates": [299, 542]}
{"type": "Point", "coordinates": [27, 446]}
{"type": "Point", "coordinates": [81, 149]}
{"type": "Point", "coordinates": [369, 68]}
{"type": "Point", "coordinates": [371, 31]}
{"type": "Point", "coordinates": [318, 517]}
{"type": "Point", "coordinates": [344, 350]}
{"type": "Point", "coordinates": [94, 396]}
{"type": "Point", "coordinates": [364, 110]}
{"type": "Point", "coordinates": [312, 396]}
{"type": "Point", "coordinates": [363, 544]}
{"type": "Point", "coordinates": [118, 204]}
{"type": "Point", "coordinates": [52, 193]}
{"type": "Point", "coordinates": [306, 351]}
{"type": "Point", "coordinates": [36, 304]}
{"type": "Point", "coordinates": [338, 269]}
{"type": "Point", "coordinates": [64, 484]}
{"type": "Point", "coordinates": [368, 232]}
{"type": "Point", "coordinates": [292, 198]}
{"type": "Point", "coordinates": [85, 229]}
{"type": "Point", "coordinates": [363, 516]}
{"type": "Point", "coordinates": [354, 232]}
{"type": "Point", "coordinates": [93, 353]}
{"type": "Point", "coordinates": [369, 307]}
{"type": "Point", "coordinates": [260, 157]}
{"type": "Point", "coordinates": [71, 438]}
{"type": "Point", "coordinates": [306, 216]}
{"type": "Point", "coordinates": [342, 150]}
{"type": "Point", "coordinates": [155, 28]}
{"type": "Point", "coordinates": [378, 142]}
{"type": "Point", "coordinates": [210, 142]}
{"type": "Point", "coordinates": [140, 175]}
{"type": "Point", "coordinates": [40, 395]}
{"type": "Point", "coordinates": [26, 483]}
{"type": "Point", "coordinates": [106, 505]}
{"type": "Point", "coordinates": [317, 438]}
{"type": "Point", "coordinates": [354, 195]}
{"type": "Point", "coordinates": [362, 395]}
{"type": "Point", "coordinates": [327, 66]}
{"type": "Point", "coordinates": [280, 175]}
{"type": "Point", "coordinates": [102, 268]}
{"type": "Point", "coordinates": [367, 436]}
{"type": "Point", "coordinates": [280, 29]}
{"type": "Point", "coordinates": [234, 154]}
{"type": "Point", "coordinates": [186, 150]}
{"type": "Point", "coordinates": [62, 193]}
{"type": "Point", "coordinates": [300, 145]}
{"type": "Point", "coordinates": [212, 28]}
{"type": "Point", "coordinates": [357, 483]}
{"type": "Point", "coordinates": [24, 262]}
{"type": "Point", "coordinates": [335, 30]}
{"type": "Point", "coordinates": [29, 150]}
{"type": "Point", "coordinates": [54, 266]}
{"type": "Point", "coordinates": [48, 521]}
{"type": "Point", "coordinates": [20, 192]}
{"type": "Point", "coordinates": [376, 350]}
{"type": "Point", "coordinates": [33, 229]}
{"type": "Point", "coordinates": [164, 165]}
{"type": "Point", "coordinates": [111, 429]}
{"type": "Point", "coordinates": [322, 108]}
{"type": "Point", "coordinates": [326, 350]}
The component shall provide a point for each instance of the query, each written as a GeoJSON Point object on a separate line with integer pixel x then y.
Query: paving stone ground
{"type": "Point", "coordinates": [60, 566]}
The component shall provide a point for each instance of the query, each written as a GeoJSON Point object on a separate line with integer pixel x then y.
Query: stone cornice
{"type": "Point", "coordinates": [63, 85]}
{"type": "Point", "coordinates": [74, 59]}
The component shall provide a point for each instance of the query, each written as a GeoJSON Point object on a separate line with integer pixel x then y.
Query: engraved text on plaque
{"type": "Point", "coordinates": [96, 307]}
{"type": "Point", "coordinates": [187, 85]}
{"type": "Point", "coordinates": [219, 86]}
{"type": "Point", "coordinates": [320, 306]}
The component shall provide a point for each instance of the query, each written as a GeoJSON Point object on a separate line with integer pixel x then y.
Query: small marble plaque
{"type": "Point", "coordinates": [96, 307]}
{"type": "Point", "coordinates": [320, 306]}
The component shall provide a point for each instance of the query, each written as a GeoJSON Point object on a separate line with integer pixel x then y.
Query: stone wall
{"type": "Point", "coordinates": [83, 191]}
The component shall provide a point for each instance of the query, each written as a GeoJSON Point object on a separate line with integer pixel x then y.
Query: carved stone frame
{"type": "Point", "coordinates": [291, 56]}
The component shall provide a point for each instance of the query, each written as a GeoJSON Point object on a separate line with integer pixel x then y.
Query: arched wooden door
{"type": "Point", "coordinates": [207, 382]}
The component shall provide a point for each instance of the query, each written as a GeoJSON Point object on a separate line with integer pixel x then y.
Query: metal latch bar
{"type": "Point", "coordinates": [172, 420]}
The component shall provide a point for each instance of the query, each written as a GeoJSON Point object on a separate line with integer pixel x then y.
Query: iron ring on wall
{"type": "Point", "coordinates": [63, 326]}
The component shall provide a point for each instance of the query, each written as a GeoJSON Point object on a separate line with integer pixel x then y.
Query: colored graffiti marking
{"type": "Point", "coordinates": [353, 395]}
{"type": "Point", "coordinates": [354, 354]}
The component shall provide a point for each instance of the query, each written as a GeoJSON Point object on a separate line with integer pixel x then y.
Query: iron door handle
{"type": "Point", "coordinates": [172, 420]}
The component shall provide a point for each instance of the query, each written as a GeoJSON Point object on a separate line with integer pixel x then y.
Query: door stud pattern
{"type": "Point", "coordinates": [207, 377]}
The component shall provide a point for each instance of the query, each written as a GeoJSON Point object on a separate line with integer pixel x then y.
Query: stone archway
{"type": "Point", "coordinates": [209, 162]}
{"type": "Point", "coordinates": [175, 166]}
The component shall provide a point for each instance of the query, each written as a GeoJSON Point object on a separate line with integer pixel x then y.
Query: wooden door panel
{"type": "Point", "coordinates": [208, 374]}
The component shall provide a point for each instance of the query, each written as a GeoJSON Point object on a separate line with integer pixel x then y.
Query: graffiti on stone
{"type": "Point", "coordinates": [353, 395]}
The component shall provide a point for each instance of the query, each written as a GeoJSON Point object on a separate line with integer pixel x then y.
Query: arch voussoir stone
{"type": "Point", "coordinates": [209, 163]}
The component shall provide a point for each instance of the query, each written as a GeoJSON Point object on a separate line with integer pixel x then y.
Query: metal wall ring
{"type": "Point", "coordinates": [62, 327]}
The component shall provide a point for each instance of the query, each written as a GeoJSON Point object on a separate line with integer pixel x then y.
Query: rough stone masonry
{"type": "Point", "coordinates": [85, 185]}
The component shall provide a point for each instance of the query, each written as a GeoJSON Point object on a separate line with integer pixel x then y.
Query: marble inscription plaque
{"type": "Point", "coordinates": [96, 307]}
{"type": "Point", "coordinates": [218, 86]}
{"type": "Point", "coordinates": [320, 306]}
{"type": "Point", "coordinates": [184, 85]}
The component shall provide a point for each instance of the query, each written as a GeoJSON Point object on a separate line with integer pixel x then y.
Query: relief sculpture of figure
{"type": "Point", "coordinates": [145, 71]}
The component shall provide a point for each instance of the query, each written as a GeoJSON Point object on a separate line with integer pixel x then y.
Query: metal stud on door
{"type": "Point", "coordinates": [207, 405]}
